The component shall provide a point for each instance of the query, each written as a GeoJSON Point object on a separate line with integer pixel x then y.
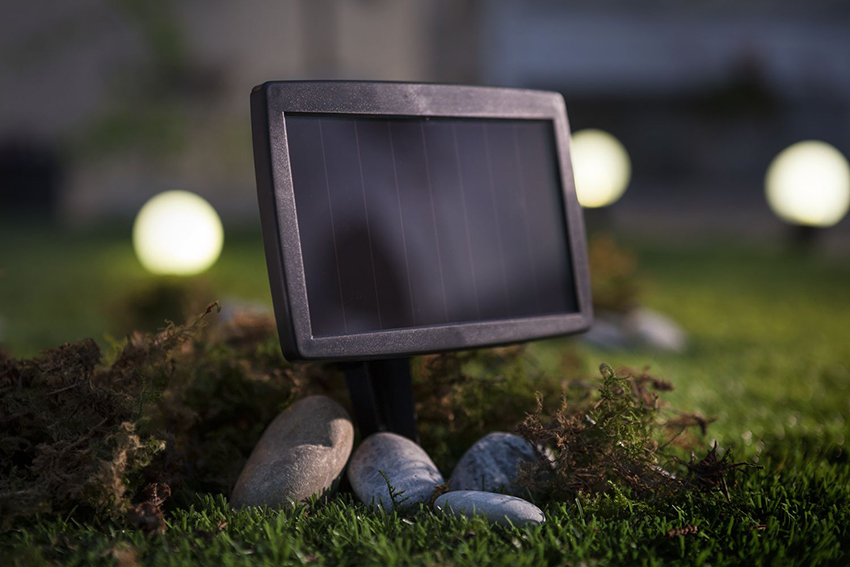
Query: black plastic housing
{"type": "Point", "coordinates": [270, 104]}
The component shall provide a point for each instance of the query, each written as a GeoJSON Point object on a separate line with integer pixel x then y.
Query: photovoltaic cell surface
{"type": "Point", "coordinates": [408, 222]}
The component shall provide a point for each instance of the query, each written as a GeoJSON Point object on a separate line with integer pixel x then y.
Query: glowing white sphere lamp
{"type": "Point", "coordinates": [601, 167]}
{"type": "Point", "coordinates": [808, 184]}
{"type": "Point", "coordinates": [177, 233]}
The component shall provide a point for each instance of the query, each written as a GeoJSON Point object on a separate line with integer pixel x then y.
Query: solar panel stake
{"type": "Point", "coordinates": [382, 396]}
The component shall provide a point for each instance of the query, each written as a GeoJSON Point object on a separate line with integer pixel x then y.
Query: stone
{"type": "Point", "coordinates": [407, 467]}
{"type": "Point", "coordinates": [496, 508]}
{"type": "Point", "coordinates": [492, 464]}
{"type": "Point", "coordinates": [655, 330]}
{"type": "Point", "coordinates": [607, 333]}
{"type": "Point", "coordinates": [638, 328]}
{"type": "Point", "coordinates": [301, 453]}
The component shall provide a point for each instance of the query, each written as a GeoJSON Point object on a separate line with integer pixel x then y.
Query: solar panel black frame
{"type": "Point", "coordinates": [271, 101]}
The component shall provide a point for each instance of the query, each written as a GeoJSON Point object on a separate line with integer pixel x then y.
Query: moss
{"type": "Point", "coordinates": [620, 436]}
{"type": "Point", "coordinates": [178, 412]}
{"type": "Point", "coordinates": [462, 396]}
{"type": "Point", "coordinates": [182, 407]}
{"type": "Point", "coordinates": [68, 440]}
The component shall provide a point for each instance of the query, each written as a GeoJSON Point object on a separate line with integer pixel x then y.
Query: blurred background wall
{"type": "Point", "coordinates": [105, 103]}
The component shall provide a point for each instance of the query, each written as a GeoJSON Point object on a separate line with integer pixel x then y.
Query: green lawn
{"type": "Point", "coordinates": [770, 359]}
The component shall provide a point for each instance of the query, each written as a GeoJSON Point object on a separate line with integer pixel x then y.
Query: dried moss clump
{"type": "Point", "coordinates": [180, 409]}
{"type": "Point", "coordinates": [618, 435]}
{"type": "Point", "coordinates": [69, 433]}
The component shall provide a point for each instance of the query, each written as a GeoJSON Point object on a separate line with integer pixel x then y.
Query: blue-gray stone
{"type": "Point", "coordinates": [496, 508]}
{"type": "Point", "coordinates": [608, 332]}
{"type": "Point", "coordinates": [301, 453]}
{"type": "Point", "coordinates": [656, 330]}
{"type": "Point", "coordinates": [407, 467]}
{"type": "Point", "coordinates": [638, 328]}
{"type": "Point", "coordinates": [492, 464]}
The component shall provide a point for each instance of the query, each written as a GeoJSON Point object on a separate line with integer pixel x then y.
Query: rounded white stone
{"type": "Point", "coordinates": [406, 466]}
{"type": "Point", "coordinates": [301, 453]}
{"type": "Point", "coordinates": [496, 508]}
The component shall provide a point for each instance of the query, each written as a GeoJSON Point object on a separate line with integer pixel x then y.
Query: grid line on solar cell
{"type": "Point", "coordinates": [401, 219]}
{"type": "Point", "coordinates": [368, 228]}
{"type": "Point", "coordinates": [466, 221]}
{"type": "Point", "coordinates": [434, 218]}
{"type": "Point", "coordinates": [523, 200]}
{"type": "Point", "coordinates": [496, 215]}
{"type": "Point", "coordinates": [333, 227]}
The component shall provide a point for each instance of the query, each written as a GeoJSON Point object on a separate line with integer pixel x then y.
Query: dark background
{"type": "Point", "coordinates": [105, 103]}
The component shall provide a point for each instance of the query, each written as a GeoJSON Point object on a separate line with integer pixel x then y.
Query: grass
{"type": "Point", "coordinates": [770, 359]}
{"type": "Point", "coordinates": [798, 516]}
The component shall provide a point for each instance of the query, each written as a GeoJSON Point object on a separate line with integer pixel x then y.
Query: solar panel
{"type": "Point", "coordinates": [408, 222]}
{"type": "Point", "coordinates": [414, 218]}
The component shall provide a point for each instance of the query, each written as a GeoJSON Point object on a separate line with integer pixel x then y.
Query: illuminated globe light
{"type": "Point", "coordinates": [177, 233]}
{"type": "Point", "coordinates": [808, 184]}
{"type": "Point", "coordinates": [601, 167]}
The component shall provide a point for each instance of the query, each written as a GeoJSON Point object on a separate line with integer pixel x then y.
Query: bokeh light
{"type": "Point", "coordinates": [177, 233]}
{"type": "Point", "coordinates": [601, 167]}
{"type": "Point", "coordinates": [808, 183]}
